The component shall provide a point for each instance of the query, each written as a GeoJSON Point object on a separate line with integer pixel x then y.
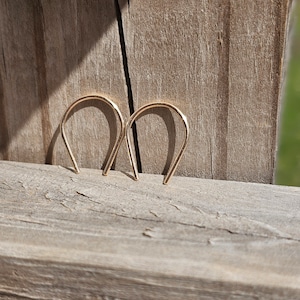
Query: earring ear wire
{"type": "Point", "coordinates": [118, 141]}
{"type": "Point", "coordinates": [177, 159]}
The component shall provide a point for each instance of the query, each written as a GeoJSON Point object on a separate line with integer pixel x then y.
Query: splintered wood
{"type": "Point", "coordinates": [219, 61]}
{"type": "Point", "coordinates": [68, 236]}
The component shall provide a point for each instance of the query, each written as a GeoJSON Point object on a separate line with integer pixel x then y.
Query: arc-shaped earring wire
{"type": "Point", "coordinates": [118, 141]}
{"type": "Point", "coordinates": [135, 115]}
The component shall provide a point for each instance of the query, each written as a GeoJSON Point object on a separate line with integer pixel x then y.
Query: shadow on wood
{"type": "Point", "coordinates": [166, 134]}
{"type": "Point", "coordinates": [43, 43]}
{"type": "Point", "coordinates": [220, 62]}
{"type": "Point", "coordinates": [112, 129]}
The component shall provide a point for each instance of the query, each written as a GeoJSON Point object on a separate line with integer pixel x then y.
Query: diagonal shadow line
{"type": "Point", "coordinates": [128, 83]}
{"type": "Point", "coordinates": [75, 25]}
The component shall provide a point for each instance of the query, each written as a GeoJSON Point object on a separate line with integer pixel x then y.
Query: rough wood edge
{"type": "Point", "coordinates": [66, 235]}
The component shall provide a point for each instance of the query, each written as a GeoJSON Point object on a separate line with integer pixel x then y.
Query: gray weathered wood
{"type": "Point", "coordinates": [21, 120]}
{"type": "Point", "coordinates": [54, 52]}
{"type": "Point", "coordinates": [257, 45]}
{"type": "Point", "coordinates": [69, 236]}
{"type": "Point", "coordinates": [221, 63]}
{"type": "Point", "coordinates": [88, 59]}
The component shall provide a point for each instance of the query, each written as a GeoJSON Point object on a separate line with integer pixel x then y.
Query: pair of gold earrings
{"type": "Point", "coordinates": [125, 131]}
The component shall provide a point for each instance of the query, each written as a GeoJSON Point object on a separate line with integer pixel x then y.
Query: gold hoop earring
{"type": "Point", "coordinates": [118, 141]}
{"type": "Point", "coordinates": [132, 119]}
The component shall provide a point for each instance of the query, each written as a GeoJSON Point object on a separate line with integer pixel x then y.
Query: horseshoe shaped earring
{"type": "Point", "coordinates": [118, 141]}
{"type": "Point", "coordinates": [132, 119]}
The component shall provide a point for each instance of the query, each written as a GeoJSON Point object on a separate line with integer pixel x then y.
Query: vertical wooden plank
{"type": "Point", "coordinates": [257, 31]}
{"type": "Point", "coordinates": [54, 52]}
{"type": "Point", "coordinates": [178, 52]}
{"type": "Point", "coordinates": [88, 61]}
{"type": "Point", "coordinates": [220, 63]}
{"type": "Point", "coordinates": [21, 134]}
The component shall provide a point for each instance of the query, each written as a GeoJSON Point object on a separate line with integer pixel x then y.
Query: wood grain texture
{"type": "Point", "coordinates": [65, 50]}
{"type": "Point", "coordinates": [21, 134]}
{"type": "Point", "coordinates": [174, 55]}
{"type": "Point", "coordinates": [90, 59]}
{"type": "Point", "coordinates": [256, 51]}
{"type": "Point", "coordinates": [83, 236]}
{"type": "Point", "coordinates": [220, 62]}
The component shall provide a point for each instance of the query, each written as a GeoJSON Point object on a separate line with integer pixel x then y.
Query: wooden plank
{"type": "Point", "coordinates": [220, 63]}
{"type": "Point", "coordinates": [174, 55]}
{"type": "Point", "coordinates": [257, 44]}
{"type": "Point", "coordinates": [66, 50]}
{"type": "Point", "coordinates": [20, 114]}
{"type": "Point", "coordinates": [89, 61]}
{"type": "Point", "coordinates": [64, 235]}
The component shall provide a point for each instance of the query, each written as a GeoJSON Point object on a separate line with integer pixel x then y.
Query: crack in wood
{"type": "Point", "coordinates": [278, 237]}
{"type": "Point", "coordinates": [4, 62]}
{"type": "Point", "coordinates": [4, 133]}
{"type": "Point", "coordinates": [128, 83]}
{"type": "Point", "coordinates": [30, 221]}
{"type": "Point", "coordinates": [16, 295]}
{"type": "Point", "coordinates": [153, 213]}
{"type": "Point", "coordinates": [82, 194]}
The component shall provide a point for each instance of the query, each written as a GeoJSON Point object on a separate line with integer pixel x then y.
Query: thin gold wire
{"type": "Point", "coordinates": [132, 119]}
{"type": "Point", "coordinates": [118, 141]}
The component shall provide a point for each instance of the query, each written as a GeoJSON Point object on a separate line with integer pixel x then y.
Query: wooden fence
{"type": "Point", "coordinates": [85, 236]}
{"type": "Point", "coordinates": [220, 62]}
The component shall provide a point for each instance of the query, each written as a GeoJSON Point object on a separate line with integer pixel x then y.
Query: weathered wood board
{"type": "Point", "coordinates": [219, 61]}
{"type": "Point", "coordinates": [54, 52]}
{"type": "Point", "coordinates": [257, 45]}
{"type": "Point", "coordinates": [68, 236]}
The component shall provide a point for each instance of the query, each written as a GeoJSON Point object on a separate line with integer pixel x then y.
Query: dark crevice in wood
{"type": "Point", "coordinates": [4, 136]}
{"type": "Point", "coordinates": [40, 50]}
{"type": "Point", "coordinates": [4, 63]}
{"type": "Point", "coordinates": [15, 295]}
{"type": "Point", "coordinates": [128, 83]}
